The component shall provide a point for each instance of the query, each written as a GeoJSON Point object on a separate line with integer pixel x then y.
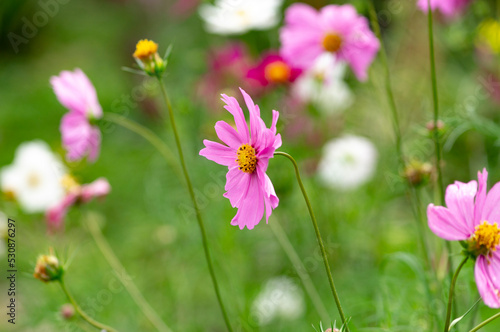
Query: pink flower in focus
{"type": "Point", "coordinates": [79, 136]}
{"type": "Point", "coordinates": [336, 29]}
{"type": "Point", "coordinates": [273, 69]}
{"type": "Point", "coordinates": [76, 194]}
{"type": "Point", "coordinates": [472, 215]}
{"type": "Point", "coordinates": [449, 8]}
{"type": "Point", "coordinates": [246, 155]}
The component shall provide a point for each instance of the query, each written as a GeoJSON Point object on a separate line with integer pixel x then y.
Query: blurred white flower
{"type": "Point", "coordinates": [323, 86]}
{"type": "Point", "coordinates": [34, 179]}
{"type": "Point", "coordinates": [281, 297]}
{"type": "Point", "coordinates": [229, 17]}
{"type": "Point", "coordinates": [347, 162]}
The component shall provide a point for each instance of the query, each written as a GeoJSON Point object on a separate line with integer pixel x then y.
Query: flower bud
{"type": "Point", "coordinates": [417, 173]}
{"type": "Point", "coordinates": [431, 127]}
{"type": "Point", "coordinates": [147, 57]}
{"type": "Point", "coordinates": [48, 268]}
{"type": "Point", "coordinates": [67, 311]}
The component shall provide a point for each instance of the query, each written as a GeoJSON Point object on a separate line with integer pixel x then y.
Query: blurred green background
{"type": "Point", "coordinates": [370, 232]}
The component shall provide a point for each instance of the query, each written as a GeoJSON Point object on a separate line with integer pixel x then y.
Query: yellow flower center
{"type": "Point", "coordinates": [485, 239]}
{"type": "Point", "coordinates": [332, 42]}
{"type": "Point", "coordinates": [246, 158]}
{"type": "Point", "coordinates": [277, 72]}
{"type": "Point", "coordinates": [489, 33]}
{"type": "Point", "coordinates": [69, 183]}
{"type": "Point", "coordinates": [33, 180]}
{"type": "Point", "coordinates": [145, 49]}
{"type": "Point", "coordinates": [9, 195]}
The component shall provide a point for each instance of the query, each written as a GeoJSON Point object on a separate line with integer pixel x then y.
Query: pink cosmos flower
{"type": "Point", "coordinates": [472, 216]}
{"type": "Point", "coordinates": [75, 92]}
{"type": "Point", "coordinates": [246, 154]}
{"type": "Point", "coordinates": [273, 69]}
{"type": "Point", "coordinates": [336, 29]}
{"type": "Point", "coordinates": [75, 195]}
{"type": "Point", "coordinates": [449, 8]}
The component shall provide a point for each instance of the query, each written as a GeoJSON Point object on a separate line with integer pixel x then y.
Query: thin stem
{"type": "Point", "coordinates": [437, 146]}
{"type": "Point", "coordinates": [299, 268]}
{"type": "Point", "coordinates": [82, 313]}
{"type": "Point", "coordinates": [489, 320]}
{"type": "Point", "coordinates": [122, 275]}
{"type": "Point", "coordinates": [388, 87]}
{"type": "Point", "coordinates": [450, 296]}
{"type": "Point", "coordinates": [148, 135]}
{"type": "Point", "coordinates": [318, 236]}
{"type": "Point", "coordinates": [195, 205]}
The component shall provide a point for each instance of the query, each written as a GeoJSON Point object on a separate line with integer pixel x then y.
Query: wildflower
{"type": "Point", "coordinates": [237, 17]}
{"type": "Point", "coordinates": [323, 86]}
{"type": "Point", "coordinates": [34, 178]}
{"type": "Point", "coordinates": [147, 57]}
{"type": "Point", "coordinates": [80, 136]}
{"type": "Point", "coordinates": [335, 29]}
{"type": "Point", "coordinates": [75, 194]}
{"type": "Point", "coordinates": [48, 268]}
{"type": "Point", "coordinates": [246, 155]}
{"type": "Point", "coordinates": [472, 215]}
{"type": "Point", "coordinates": [449, 8]}
{"type": "Point", "coordinates": [281, 297]}
{"type": "Point", "coordinates": [348, 162]}
{"type": "Point", "coordinates": [273, 69]}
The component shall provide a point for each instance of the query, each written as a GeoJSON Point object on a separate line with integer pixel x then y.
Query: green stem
{"type": "Point", "coordinates": [489, 320]}
{"type": "Point", "coordinates": [318, 236]}
{"type": "Point", "coordinates": [450, 295]}
{"type": "Point", "coordinates": [122, 275]}
{"type": "Point", "coordinates": [148, 135]}
{"type": "Point", "coordinates": [195, 205]}
{"type": "Point", "coordinates": [81, 312]}
{"type": "Point", "coordinates": [299, 268]}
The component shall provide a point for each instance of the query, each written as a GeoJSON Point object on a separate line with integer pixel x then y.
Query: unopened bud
{"type": "Point", "coordinates": [430, 125]}
{"type": "Point", "coordinates": [67, 311]}
{"type": "Point", "coordinates": [147, 57]}
{"type": "Point", "coordinates": [48, 268]}
{"type": "Point", "coordinates": [418, 173]}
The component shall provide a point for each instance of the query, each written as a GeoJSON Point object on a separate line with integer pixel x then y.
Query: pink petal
{"type": "Point", "coordinates": [55, 216]}
{"type": "Point", "coordinates": [98, 188]}
{"type": "Point", "coordinates": [237, 184]}
{"type": "Point", "coordinates": [251, 207]}
{"type": "Point", "coordinates": [228, 135]}
{"type": "Point", "coordinates": [491, 210]}
{"type": "Point", "coordinates": [221, 154]}
{"type": "Point", "coordinates": [446, 225]}
{"type": "Point", "coordinates": [234, 108]}
{"type": "Point", "coordinates": [460, 200]}
{"type": "Point", "coordinates": [488, 284]}
{"type": "Point", "coordinates": [480, 196]}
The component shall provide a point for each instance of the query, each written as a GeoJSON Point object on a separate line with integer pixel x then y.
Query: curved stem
{"type": "Point", "coordinates": [122, 275]}
{"type": "Point", "coordinates": [450, 296]}
{"type": "Point", "coordinates": [148, 135]}
{"type": "Point", "coordinates": [489, 320]}
{"type": "Point", "coordinates": [318, 236]}
{"type": "Point", "coordinates": [195, 205]}
{"type": "Point", "coordinates": [81, 312]}
{"type": "Point", "coordinates": [300, 269]}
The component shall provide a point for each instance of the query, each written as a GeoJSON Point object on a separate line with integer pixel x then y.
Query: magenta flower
{"type": "Point", "coordinates": [336, 29]}
{"type": "Point", "coordinates": [273, 69]}
{"type": "Point", "coordinates": [449, 8]}
{"type": "Point", "coordinates": [472, 216]}
{"type": "Point", "coordinates": [76, 194]}
{"type": "Point", "coordinates": [246, 154]}
{"type": "Point", "coordinates": [80, 137]}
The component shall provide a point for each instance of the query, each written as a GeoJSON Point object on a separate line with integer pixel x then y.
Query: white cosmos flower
{"type": "Point", "coordinates": [347, 162]}
{"type": "Point", "coordinates": [228, 17]}
{"type": "Point", "coordinates": [34, 178]}
{"type": "Point", "coordinates": [323, 85]}
{"type": "Point", "coordinates": [280, 297]}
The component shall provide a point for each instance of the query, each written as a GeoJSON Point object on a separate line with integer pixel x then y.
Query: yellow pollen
{"type": "Point", "coordinates": [277, 72]}
{"type": "Point", "coordinates": [246, 158]}
{"type": "Point", "coordinates": [485, 239]}
{"type": "Point", "coordinates": [145, 48]}
{"type": "Point", "coordinates": [69, 183]}
{"type": "Point", "coordinates": [33, 180]}
{"type": "Point", "coordinates": [332, 42]}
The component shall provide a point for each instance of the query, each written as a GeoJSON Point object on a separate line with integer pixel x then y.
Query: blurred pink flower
{"type": "Point", "coordinates": [246, 155]}
{"type": "Point", "coordinates": [79, 136]}
{"type": "Point", "coordinates": [76, 194]}
{"type": "Point", "coordinates": [336, 29]}
{"type": "Point", "coordinates": [273, 69]}
{"type": "Point", "coordinates": [472, 216]}
{"type": "Point", "coordinates": [449, 8]}
{"type": "Point", "coordinates": [227, 67]}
